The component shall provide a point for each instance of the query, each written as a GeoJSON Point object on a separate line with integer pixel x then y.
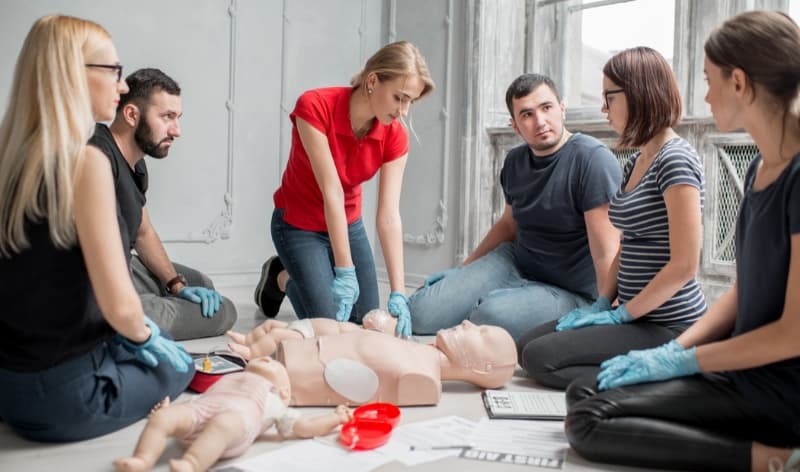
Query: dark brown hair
{"type": "Point", "coordinates": [654, 102]}
{"type": "Point", "coordinates": [763, 44]}
{"type": "Point", "coordinates": [524, 85]}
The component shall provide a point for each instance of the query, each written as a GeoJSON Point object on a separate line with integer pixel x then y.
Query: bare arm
{"type": "Point", "coordinates": [716, 324]}
{"type": "Point", "coordinates": [152, 252]}
{"type": "Point", "coordinates": [683, 215]}
{"type": "Point", "coordinates": [505, 229]}
{"type": "Point", "coordinates": [388, 222]}
{"type": "Point", "coordinates": [100, 241]}
{"type": "Point", "coordinates": [604, 247]}
{"type": "Point", "coordinates": [310, 426]}
{"type": "Point", "coordinates": [319, 153]}
{"type": "Point", "coordinates": [768, 344]}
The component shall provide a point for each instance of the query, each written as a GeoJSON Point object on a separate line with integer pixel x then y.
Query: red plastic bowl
{"type": "Point", "coordinates": [384, 412]}
{"type": "Point", "coordinates": [365, 434]}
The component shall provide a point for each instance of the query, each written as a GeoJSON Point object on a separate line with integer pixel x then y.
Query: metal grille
{"type": "Point", "coordinates": [623, 155]}
{"type": "Point", "coordinates": [731, 165]}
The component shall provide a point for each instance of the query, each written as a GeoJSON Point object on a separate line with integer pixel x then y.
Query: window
{"type": "Point", "coordinates": [604, 29]}
{"type": "Point", "coordinates": [732, 161]}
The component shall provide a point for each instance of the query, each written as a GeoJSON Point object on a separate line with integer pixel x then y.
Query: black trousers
{"type": "Point", "coordinates": [693, 423]}
{"type": "Point", "coordinates": [556, 358]}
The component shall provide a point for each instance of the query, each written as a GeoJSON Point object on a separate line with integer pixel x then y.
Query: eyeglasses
{"type": "Point", "coordinates": [610, 92]}
{"type": "Point", "coordinates": [116, 67]}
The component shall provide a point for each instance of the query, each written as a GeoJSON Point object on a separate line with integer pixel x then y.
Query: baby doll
{"type": "Point", "coordinates": [264, 339]}
{"type": "Point", "coordinates": [225, 420]}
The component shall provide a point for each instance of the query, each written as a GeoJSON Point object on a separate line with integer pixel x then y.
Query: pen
{"type": "Point", "coordinates": [436, 448]}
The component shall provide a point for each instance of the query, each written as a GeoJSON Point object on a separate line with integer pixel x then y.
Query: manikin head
{"type": "Point", "coordinates": [483, 355]}
{"type": "Point", "coordinates": [380, 320]}
{"type": "Point", "coordinates": [152, 110]}
{"type": "Point", "coordinates": [273, 371]}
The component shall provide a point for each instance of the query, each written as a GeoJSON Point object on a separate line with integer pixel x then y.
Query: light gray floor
{"type": "Point", "coordinates": [96, 455]}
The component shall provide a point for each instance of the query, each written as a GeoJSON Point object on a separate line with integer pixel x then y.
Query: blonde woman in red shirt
{"type": "Point", "coordinates": [342, 137]}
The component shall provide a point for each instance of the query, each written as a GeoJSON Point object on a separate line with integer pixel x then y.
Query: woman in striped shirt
{"type": "Point", "coordinates": [658, 211]}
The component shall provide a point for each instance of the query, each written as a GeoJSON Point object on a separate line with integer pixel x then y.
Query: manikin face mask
{"type": "Point", "coordinates": [455, 338]}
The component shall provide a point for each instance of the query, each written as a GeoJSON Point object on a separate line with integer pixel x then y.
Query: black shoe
{"type": "Point", "coordinates": [268, 296]}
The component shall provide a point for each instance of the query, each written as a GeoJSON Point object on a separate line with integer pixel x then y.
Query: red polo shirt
{"type": "Point", "coordinates": [328, 110]}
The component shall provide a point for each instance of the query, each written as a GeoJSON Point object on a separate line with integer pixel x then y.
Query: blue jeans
{"type": "Point", "coordinates": [94, 394]}
{"type": "Point", "coordinates": [308, 258]}
{"type": "Point", "coordinates": [490, 291]}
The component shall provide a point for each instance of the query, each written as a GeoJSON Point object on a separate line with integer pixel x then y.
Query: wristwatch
{"type": "Point", "coordinates": [175, 280]}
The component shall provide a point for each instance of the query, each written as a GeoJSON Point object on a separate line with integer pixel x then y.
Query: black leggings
{"type": "Point", "coordinates": [556, 358]}
{"type": "Point", "coordinates": [693, 423]}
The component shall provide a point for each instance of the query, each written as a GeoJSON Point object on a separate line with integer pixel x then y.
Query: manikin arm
{"type": "Point", "coordinates": [169, 421]}
{"type": "Point", "coordinates": [250, 348]}
{"type": "Point", "coordinates": [310, 426]}
{"type": "Point", "coordinates": [263, 340]}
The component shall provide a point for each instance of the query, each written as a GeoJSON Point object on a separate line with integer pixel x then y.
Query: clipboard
{"type": "Point", "coordinates": [528, 405]}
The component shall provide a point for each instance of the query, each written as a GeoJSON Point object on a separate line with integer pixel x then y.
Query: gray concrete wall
{"type": "Point", "coordinates": [241, 65]}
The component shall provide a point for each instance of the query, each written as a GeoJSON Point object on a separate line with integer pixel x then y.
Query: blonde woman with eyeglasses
{"type": "Point", "coordinates": [78, 357]}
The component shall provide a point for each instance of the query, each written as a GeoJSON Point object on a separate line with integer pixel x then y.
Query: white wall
{"type": "Point", "coordinates": [241, 65]}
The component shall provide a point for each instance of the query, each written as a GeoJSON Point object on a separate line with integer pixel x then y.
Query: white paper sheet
{"type": "Point", "coordinates": [309, 456]}
{"type": "Point", "coordinates": [427, 437]}
{"type": "Point", "coordinates": [525, 442]}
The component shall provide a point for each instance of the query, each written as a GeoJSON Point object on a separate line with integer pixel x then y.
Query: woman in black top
{"type": "Point", "coordinates": [78, 358]}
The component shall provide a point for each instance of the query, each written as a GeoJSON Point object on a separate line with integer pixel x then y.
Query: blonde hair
{"type": "Point", "coordinates": [394, 60]}
{"type": "Point", "coordinates": [44, 131]}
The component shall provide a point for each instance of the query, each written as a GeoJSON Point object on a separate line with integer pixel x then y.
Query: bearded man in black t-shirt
{"type": "Point", "coordinates": [179, 299]}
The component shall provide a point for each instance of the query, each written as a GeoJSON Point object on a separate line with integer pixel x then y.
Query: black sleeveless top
{"type": "Point", "coordinates": [48, 312]}
{"type": "Point", "coordinates": [130, 185]}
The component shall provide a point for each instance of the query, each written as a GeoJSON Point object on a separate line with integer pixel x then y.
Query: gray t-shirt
{"type": "Point", "coordinates": [768, 219]}
{"type": "Point", "coordinates": [548, 197]}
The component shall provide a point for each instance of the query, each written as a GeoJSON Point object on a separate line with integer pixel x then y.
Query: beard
{"type": "Point", "coordinates": [144, 139]}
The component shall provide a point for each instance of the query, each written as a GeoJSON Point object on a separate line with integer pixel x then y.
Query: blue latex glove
{"type": "Point", "coordinates": [609, 317]}
{"type": "Point", "coordinates": [665, 362]}
{"type": "Point", "coordinates": [438, 276]}
{"type": "Point", "coordinates": [208, 299]}
{"type": "Point", "coordinates": [157, 348]}
{"type": "Point", "coordinates": [622, 362]}
{"type": "Point", "coordinates": [398, 307]}
{"type": "Point", "coordinates": [345, 291]}
{"type": "Point", "coordinates": [601, 304]}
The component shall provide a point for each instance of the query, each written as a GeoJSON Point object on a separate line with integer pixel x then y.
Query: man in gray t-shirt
{"type": "Point", "coordinates": [554, 243]}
